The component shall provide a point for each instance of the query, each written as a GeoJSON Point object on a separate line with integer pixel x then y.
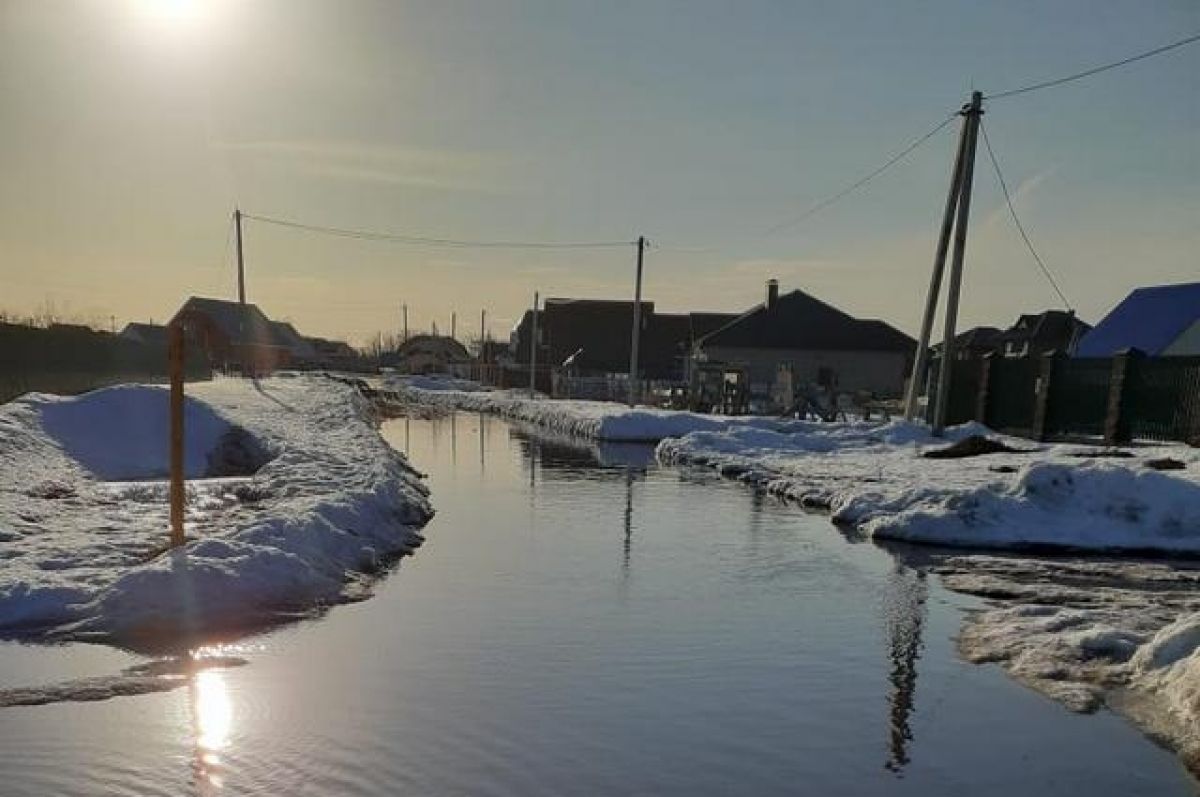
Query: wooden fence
{"type": "Point", "coordinates": [1054, 397]}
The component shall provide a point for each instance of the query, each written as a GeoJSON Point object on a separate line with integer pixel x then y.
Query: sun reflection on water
{"type": "Point", "coordinates": [212, 713]}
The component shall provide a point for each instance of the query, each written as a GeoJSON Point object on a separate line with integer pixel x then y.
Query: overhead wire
{"type": "Point", "coordinates": [833, 198]}
{"type": "Point", "coordinates": [1016, 219]}
{"type": "Point", "coordinates": [417, 240]}
{"type": "Point", "coordinates": [1045, 84]}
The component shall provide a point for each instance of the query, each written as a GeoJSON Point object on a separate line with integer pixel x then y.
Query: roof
{"type": "Point", "coordinates": [441, 346]}
{"type": "Point", "coordinates": [1051, 328]}
{"type": "Point", "coordinates": [800, 321]}
{"type": "Point", "coordinates": [241, 324]}
{"type": "Point", "coordinates": [152, 334]}
{"type": "Point", "coordinates": [1149, 319]}
{"type": "Point", "coordinates": [296, 343]}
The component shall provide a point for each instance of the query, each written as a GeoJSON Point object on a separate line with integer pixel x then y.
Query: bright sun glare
{"type": "Point", "coordinates": [173, 11]}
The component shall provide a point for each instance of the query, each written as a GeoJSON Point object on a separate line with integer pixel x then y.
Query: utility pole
{"type": "Point", "coordinates": [921, 361]}
{"type": "Point", "coordinates": [482, 334]}
{"type": "Point", "coordinates": [533, 347]}
{"type": "Point", "coordinates": [634, 381]}
{"type": "Point", "coordinates": [453, 325]}
{"type": "Point", "coordinates": [237, 223]}
{"type": "Point", "coordinates": [404, 312]}
{"type": "Point", "coordinates": [973, 113]}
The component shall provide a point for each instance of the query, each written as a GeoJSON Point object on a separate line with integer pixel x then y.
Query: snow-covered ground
{"type": "Point", "coordinates": [295, 500]}
{"type": "Point", "coordinates": [597, 420]}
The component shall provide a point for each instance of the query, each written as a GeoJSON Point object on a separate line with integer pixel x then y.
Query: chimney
{"type": "Point", "coordinates": [772, 292]}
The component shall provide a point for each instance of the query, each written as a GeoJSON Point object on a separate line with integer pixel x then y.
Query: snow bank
{"type": "Point", "coordinates": [874, 477]}
{"type": "Point", "coordinates": [598, 420]}
{"type": "Point", "coordinates": [322, 504]}
{"type": "Point", "coordinates": [1094, 632]}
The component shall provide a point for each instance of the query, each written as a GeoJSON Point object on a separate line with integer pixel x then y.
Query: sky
{"type": "Point", "coordinates": [132, 128]}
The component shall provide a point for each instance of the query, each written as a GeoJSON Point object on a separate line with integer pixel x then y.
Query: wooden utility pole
{"type": "Point", "coordinates": [533, 348]}
{"type": "Point", "coordinates": [175, 368]}
{"type": "Point", "coordinates": [482, 333]}
{"type": "Point", "coordinates": [634, 380]}
{"type": "Point", "coordinates": [973, 113]}
{"type": "Point", "coordinates": [454, 325]}
{"type": "Point", "coordinates": [921, 361]}
{"type": "Point", "coordinates": [404, 312]}
{"type": "Point", "coordinates": [237, 224]}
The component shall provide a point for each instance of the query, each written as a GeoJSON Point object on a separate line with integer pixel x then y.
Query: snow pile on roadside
{"type": "Point", "coordinates": [1089, 633]}
{"type": "Point", "coordinates": [874, 477]}
{"type": "Point", "coordinates": [599, 420]}
{"type": "Point", "coordinates": [302, 500]}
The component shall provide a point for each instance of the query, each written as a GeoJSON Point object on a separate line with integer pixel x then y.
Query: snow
{"type": "Point", "coordinates": [873, 477]}
{"type": "Point", "coordinates": [1093, 632]}
{"type": "Point", "coordinates": [294, 501]}
{"type": "Point", "coordinates": [598, 420]}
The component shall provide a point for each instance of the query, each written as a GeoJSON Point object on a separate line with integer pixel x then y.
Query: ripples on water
{"type": "Point", "coordinates": [581, 622]}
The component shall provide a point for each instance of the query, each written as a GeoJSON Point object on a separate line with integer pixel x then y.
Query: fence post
{"type": "Point", "coordinates": [1047, 371]}
{"type": "Point", "coordinates": [175, 368]}
{"type": "Point", "coordinates": [983, 396]}
{"type": "Point", "coordinates": [1118, 422]}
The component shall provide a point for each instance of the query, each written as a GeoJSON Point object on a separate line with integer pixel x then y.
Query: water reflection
{"type": "Point", "coordinates": [904, 616]}
{"type": "Point", "coordinates": [212, 725]}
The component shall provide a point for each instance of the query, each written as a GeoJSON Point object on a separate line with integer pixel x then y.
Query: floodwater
{"type": "Point", "coordinates": [583, 622]}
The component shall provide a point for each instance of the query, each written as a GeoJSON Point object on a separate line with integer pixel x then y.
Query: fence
{"type": "Point", "coordinates": [1054, 397]}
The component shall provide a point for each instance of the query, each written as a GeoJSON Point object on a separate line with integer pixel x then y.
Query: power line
{"type": "Point", "coordinates": [1095, 70]}
{"type": "Point", "coordinates": [416, 240]}
{"type": "Point", "coordinates": [1020, 227]}
{"type": "Point", "coordinates": [824, 203]}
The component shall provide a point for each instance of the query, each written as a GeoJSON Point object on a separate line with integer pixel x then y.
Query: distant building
{"type": "Point", "coordinates": [595, 336]}
{"type": "Point", "coordinates": [234, 336]}
{"type": "Point", "coordinates": [815, 343]}
{"type": "Point", "coordinates": [428, 354]}
{"type": "Point", "coordinates": [300, 350]}
{"type": "Point", "coordinates": [1036, 334]}
{"type": "Point", "coordinates": [1162, 321]}
{"type": "Point", "coordinates": [146, 334]}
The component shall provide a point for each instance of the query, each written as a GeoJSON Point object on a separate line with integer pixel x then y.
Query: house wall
{"type": "Point", "coordinates": [1187, 344]}
{"type": "Point", "coordinates": [880, 372]}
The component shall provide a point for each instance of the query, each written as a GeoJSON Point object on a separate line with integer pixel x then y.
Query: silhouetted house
{"type": "Point", "coordinates": [428, 354]}
{"type": "Point", "coordinates": [1034, 335]}
{"type": "Point", "coordinates": [595, 336]}
{"type": "Point", "coordinates": [819, 344]}
{"type": "Point", "coordinates": [333, 353]}
{"type": "Point", "coordinates": [973, 344]}
{"type": "Point", "coordinates": [1162, 321]}
{"type": "Point", "coordinates": [300, 350]}
{"type": "Point", "coordinates": [234, 336]}
{"type": "Point", "coordinates": [146, 334]}
{"type": "Point", "coordinates": [493, 351]}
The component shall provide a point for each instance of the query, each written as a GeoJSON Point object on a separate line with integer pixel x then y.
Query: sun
{"type": "Point", "coordinates": [177, 12]}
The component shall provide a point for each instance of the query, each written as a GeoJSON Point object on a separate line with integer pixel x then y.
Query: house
{"type": "Point", "coordinates": [1162, 321]}
{"type": "Point", "coordinates": [300, 351]}
{"type": "Point", "coordinates": [427, 354]}
{"type": "Point", "coordinates": [595, 336]}
{"type": "Point", "coordinates": [146, 334]}
{"type": "Point", "coordinates": [332, 353]}
{"type": "Point", "coordinates": [1036, 334]}
{"type": "Point", "coordinates": [815, 343]}
{"type": "Point", "coordinates": [234, 336]}
{"type": "Point", "coordinates": [973, 344]}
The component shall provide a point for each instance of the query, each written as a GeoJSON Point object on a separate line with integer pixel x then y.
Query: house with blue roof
{"type": "Point", "coordinates": [1162, 321]}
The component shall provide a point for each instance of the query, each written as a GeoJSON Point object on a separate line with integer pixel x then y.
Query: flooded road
{"type": "Point", "coordinates": [581, 621]}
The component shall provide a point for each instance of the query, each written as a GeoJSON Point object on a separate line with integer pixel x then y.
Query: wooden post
{"type": "Point", "coordinates": [237, 223]}
{"type": "Point", "coordinates": [634, 392]}
{"type": "Point", "coordinates": [974, 113]}
{"type": "Point", "coordinates": [533, 348]}
{"type": "Point", "coordinates": [921, 361]}
{"type": "Point", "coordinates": [1045, 384]}
{"type": "Point", "coordinates": [1118, 425]}
{"type": "Point", "coordinates": [175, 367]}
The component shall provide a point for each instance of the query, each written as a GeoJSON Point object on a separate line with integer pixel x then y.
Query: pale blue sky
{"type": "Point", "coordinates": [130, 132]}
